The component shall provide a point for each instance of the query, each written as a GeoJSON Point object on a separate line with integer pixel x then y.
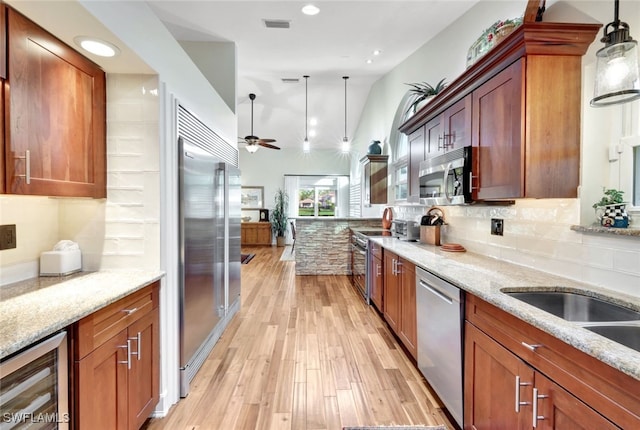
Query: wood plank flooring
{"type": "Point", "coordinates": [304, 352]}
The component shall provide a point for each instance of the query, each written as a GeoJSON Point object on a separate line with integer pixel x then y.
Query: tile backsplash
{"type": "Point", "coordinates": [537, 234]}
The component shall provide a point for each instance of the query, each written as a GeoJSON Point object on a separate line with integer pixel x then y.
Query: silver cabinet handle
{"type": "Point", "coordinates": [393, 266]}
{"type": "Point", "coordinates": [531, 347]}
{"type": "Point", "coordinates": [378, 270]}
{"type": "Point", "coordinates": [471, 182]}
{"type": "Point", "coordinates": [128, 361]}
{"type": "Point", "coordinates": [129, 311]}
{"type": "Point", "coordinates": [537, 417]}
{"type": "Point", "coordinates": [138, 352]}
{"type": "Point", "coordinates": [518, 385]}
{"type": "Point", "coordinates": [27, 166]}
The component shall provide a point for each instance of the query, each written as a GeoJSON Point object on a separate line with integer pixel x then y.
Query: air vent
{"type": "Point", "coordinates": [276, 23]}
{"type": "Point", "coordinates": [290, 80]}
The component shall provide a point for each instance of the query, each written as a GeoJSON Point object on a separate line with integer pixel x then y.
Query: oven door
{"type": "Point", "coordinates": [359, 266]}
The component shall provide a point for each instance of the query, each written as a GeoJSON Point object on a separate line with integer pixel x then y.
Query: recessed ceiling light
{"type": "Point", "coordinates": [310, 10]}
{"type": "Point", "coordinates": [97, 46]}
{"type": "Point", "coordinates": [369, 61]}
{"type": "Point", "coordinates": [377, 52]}
{"type": "Point", "coordinates": [312, 133]}
{"type": "Point", "coordinates": [313, 121]}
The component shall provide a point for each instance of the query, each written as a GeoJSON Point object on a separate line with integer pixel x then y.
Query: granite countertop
{"type": "Point", "coordinates": [485, 277]}
{"type": "Point", "coordinates": [36, 308]}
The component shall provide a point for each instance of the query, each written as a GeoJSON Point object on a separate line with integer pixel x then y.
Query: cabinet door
{"type": "Point", "coordinates": [56, 116]}
{"type": "Point", "coordinates": [377, 284]}
{"type": "Point", "coordinates": [433, 136]}
{"type": "Point", "coordinates": [558, 409]}
{"type": "Point", "coordinates": [101, 394]}
{"type": "Point", "coordinates": [264, 234]}
{"type": "Point", "coordinates": [416, 155]}
{"type": "Point", "coordinates": [3, 42]}
{"type": "Point", "coordinates": [457, 124]}
{"type": "Point", "coordinates": [498, 135]}
{"type": "Point", "coordinates": [391, 294]}
{"type": "Point", "coordinates": [408, 321]}
{"type": "Point", "coordinates": [144, 373]}
{"type": "Point", "coordinates": [490, 390]}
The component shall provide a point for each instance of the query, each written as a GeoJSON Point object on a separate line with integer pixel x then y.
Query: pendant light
{"type": "Point", "coordinates": [346, 145]}
{"type": "Point", "coordinates": [617, 76]}
{"type": "Point", "coordinates": [306, 146]}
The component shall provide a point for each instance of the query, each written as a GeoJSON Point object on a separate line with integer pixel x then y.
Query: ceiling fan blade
{"type": "Point", "coordinates": [266, 140]}
{"type": "Point", "coordinates": [267, 145]}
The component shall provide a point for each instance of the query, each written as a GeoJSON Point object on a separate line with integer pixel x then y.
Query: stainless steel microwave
{"type": "Point", "coordinates": [446, 179]}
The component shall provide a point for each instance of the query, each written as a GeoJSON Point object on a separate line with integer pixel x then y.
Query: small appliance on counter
{"type": "Point", "coordinates": [65, 259]}
{"type": "Point", "coordinates": [405, 229]}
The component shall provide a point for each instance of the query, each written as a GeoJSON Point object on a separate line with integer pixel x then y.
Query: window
{"type": "Point", "coordinates": [317, 196]}
{"type": "Point", "coordinates": [400, 145]}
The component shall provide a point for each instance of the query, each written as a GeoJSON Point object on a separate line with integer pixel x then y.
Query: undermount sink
{"type": "Point", "coordinates": [627, 335]}
{"type": "Point", "coordinates": [576, 307]}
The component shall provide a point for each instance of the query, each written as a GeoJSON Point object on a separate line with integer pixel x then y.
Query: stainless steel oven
{"type": "Point", "coordinates": [34, 387]}
{"type": "Point", "coordinates": [359, 263]}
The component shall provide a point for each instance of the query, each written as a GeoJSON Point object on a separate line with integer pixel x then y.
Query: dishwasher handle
{"type": "Point", "coordinates": [437, 292]}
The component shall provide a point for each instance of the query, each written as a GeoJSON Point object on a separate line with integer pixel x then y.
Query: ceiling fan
{"type": "Point", "coordinates": [254, 142]}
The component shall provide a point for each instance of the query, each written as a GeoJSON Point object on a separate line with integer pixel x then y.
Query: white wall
{"type": "Point", "coordinates": [267, 168]}
{"type": "Point", "coordinates": [537, 232]}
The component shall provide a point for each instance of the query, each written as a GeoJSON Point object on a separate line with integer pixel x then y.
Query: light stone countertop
{"type": "Point", "coordinates": [36, 308]}
{"type": "Point", "coordinates": [485, 277]}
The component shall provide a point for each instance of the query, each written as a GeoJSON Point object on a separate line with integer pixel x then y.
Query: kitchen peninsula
{"type": "Point", "coordinates": [323, 244]}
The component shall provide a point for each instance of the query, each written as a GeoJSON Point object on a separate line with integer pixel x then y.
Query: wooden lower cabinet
{"type": "Point", "coordinates": [512, 368]}
{"type": "Point", "coordinates": [255, 233]}
{"type": "Point", "coordinates": [500, 387]}
{"type": "Point", "coordinates": [399, 306]}
{"type": "Point", "coordinates": [116, 383]}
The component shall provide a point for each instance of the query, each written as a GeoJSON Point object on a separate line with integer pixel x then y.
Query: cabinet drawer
{"type": "Point", "coordinates": [95, 329]}
{"type": "Point", "coordinates": [607, 390]}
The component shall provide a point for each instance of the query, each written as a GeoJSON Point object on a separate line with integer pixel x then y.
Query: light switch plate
{"type": "Point", "coordinates": [8, 236]}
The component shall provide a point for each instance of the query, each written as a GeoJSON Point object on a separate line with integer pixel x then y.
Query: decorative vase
{"type": "Point", "coordinates": [375, 148]}
{"type": "Point", "coordinates": [280, 241]}
{"type": "Point", "coordinates": [613, 216]}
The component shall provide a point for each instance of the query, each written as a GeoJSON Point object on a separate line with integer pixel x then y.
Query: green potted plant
{"type": "Point", "coordinates": [424, 91]}
{"type": "Point", "coordinates": [610, 209]}
{"type": "Point", "coordinates": [278, 216]}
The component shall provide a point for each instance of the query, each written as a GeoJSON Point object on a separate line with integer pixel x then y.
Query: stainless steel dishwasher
{"type": "Point", "coordinates": [440, 310]}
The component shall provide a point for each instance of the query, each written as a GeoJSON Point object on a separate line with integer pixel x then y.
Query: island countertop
{"type": "Point", "coordinates": [486, 277]}
{"type": "Point", "coordinates": [33, 309]}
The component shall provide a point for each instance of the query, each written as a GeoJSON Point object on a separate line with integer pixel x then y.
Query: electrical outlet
{"type": "Point", "coordinates": [497, 226]}
{"type": "Point", "coordinates": [7, 236]}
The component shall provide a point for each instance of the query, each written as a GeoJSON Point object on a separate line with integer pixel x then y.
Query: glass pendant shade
{"type": "Point", "coordinates": [346, 145]}
{"type": "Point", "coordinates": [252, 148]}
{"type": "Point", "coordinates": [306, 146]}
{"type": "Point", "coordinates": [617, 74]}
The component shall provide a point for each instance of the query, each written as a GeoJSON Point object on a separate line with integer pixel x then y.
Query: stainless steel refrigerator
{"type": "Point", "coordinates": [210, 253]}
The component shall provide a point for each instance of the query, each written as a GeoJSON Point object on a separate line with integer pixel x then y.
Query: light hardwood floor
{"type": "Point", "coordinates": [304, 352]}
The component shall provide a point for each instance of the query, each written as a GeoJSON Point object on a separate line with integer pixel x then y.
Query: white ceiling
{"type": "Point", "coordinates": [332, 44]}
{"type": "Point", "coordinates": [327, 46]}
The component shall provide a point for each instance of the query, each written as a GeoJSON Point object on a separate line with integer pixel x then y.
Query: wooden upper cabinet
{"type": "Point", "coordinates": [416, 155]}
{"type": "Point", "coordinates": [374, 169]}
{"type": "Point", "coordinates": [497, 137]}
{"type": "Point", "coordinates": [3, 41]}
{"type": "Point", "coordinates": [55, 129]}
{"type": "Point", "coordinates": [519, 106]}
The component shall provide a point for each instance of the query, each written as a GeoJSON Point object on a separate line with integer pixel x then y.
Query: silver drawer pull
{"type": "Point", "coordinates": [537, 417]}
{"type": "Point", "coordinates": [128, 361]}
{"type": "Point", "coordinates": [518, 385]}
{"type": "Point", "coordinates": [129, 311]}
{"type": "Point", "coordinates": [138, 340]}
{"type": "Point", "coordinates": [531, 347]}
{"type": "Point", "coordinates": [27, 166]}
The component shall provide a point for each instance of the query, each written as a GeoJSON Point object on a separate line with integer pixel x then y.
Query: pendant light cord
{"type": "Point", "coordinates": [345, 106]}
{"type": "Point", "coordinates": [306, 80]}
